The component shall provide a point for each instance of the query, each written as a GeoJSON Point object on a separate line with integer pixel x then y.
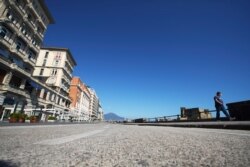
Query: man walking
{"type": "Point", "coordinates": [219, 105]}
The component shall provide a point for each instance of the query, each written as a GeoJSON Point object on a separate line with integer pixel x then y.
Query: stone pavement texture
{"type": "Point", "coordinates": [113, 145]}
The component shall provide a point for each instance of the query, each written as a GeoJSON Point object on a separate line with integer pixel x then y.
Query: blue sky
{"type": "Point", "coordinates": [147, 58]}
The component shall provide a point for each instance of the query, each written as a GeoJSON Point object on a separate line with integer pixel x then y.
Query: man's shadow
{"type": "Point", "coordinates": [8, 163]}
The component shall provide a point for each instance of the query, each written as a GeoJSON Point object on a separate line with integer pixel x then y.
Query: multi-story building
{"type": "Point", "coordinates": [100, 114]}
{"type": "Point", "coordinates": [54, 68]}
{"type": "Point", "coordinates": [22, 27]}
{"type": "Point", "coordinates": [80, 97]}
{"type": "Point", "coordinates": [94, 104]}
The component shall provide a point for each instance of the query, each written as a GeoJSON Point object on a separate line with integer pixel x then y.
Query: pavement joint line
{"type": "Point", "coordinates": [66, 139]}
{"type": "Point", "coordinates": [62, 140]}
{"type": "Point", "coordinates": [35, 126]}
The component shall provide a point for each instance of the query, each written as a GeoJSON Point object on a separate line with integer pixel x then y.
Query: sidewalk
{"type": "Point", "coordinates": [239, 125]}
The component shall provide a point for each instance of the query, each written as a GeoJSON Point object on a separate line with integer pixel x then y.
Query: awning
{"type": "Point", "coordinates": [35, 85]}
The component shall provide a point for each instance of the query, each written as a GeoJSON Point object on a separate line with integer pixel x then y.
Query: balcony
{"type": "Point", "coordinates": [4, 61]}
{"type": "Point", "coordinates": [65, 89]}
{"type": "Point", "coordinates": [5, 43]}
{"type": "Point", "coordinates": [51, 81]}
{"type": "Point", "coordinates": [38, 35]}
{"type": "Point", "coordinates": [22, 36]}
{"type": "Point", "coordinates": [34, 47]}
{"type": "Point", "coordinates": [30, 61]}
{"type": "Point", "coordinates": [41, 100]}
{"type": "Point", "coordinates": [27, 40]}
{"type": "Point", "coordinates": [41, 34]}
{"type": "Point", "coordinates": [13, 50]}
{"type": "Point", "coordinates": [28, 22]}
{"type": "Point", "coordinates": [14, 90]}
{"type": "Point", "coordinates": [36, 14]}
{"type": "Point", "coordinates": [66, 79]}
{"type": "Point", "coordinates": [12, 25]}
{"type": "Point", "coordinates": [61, 107]}
{"type": "Point", "coordinates": [42, 85]}
{"type": "Point", "coordinates": [17, 7]}
{"type": "Point", "coordinates": [19, 69]}
{"type": "Point", "coordinates": [68, 73]}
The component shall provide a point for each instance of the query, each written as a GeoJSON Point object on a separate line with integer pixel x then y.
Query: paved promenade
{"type": "Point", "coordinates": [113, 145]}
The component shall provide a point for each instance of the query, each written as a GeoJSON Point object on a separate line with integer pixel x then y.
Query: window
{"type": "Point", "coordinates": [20, 4]}
{"type": "Point", "coordinates": [41, 72]}
{"type": "Point", "coordinates": [38, 29]}
{"type": "Point", "coordinates": [46, 54]}
{"type": "Point", "coordinates": [51, 97]}
{"type": "Point", "coordinates": [34, 42]}
{"type": "Point", "coordinates": [4, 52]}
{"type": "Point", "coordinates": [44, 62]}
{"type": "Point", "coordinates": [42, 31]}
{"type": "Point", "coordinates": [18, 45]}
{"type": "Point", "coordinates": [56, 62]}
{"type": "Point", "coordinates": [27, 69]}
{"type": "Point", "coordinates": [38, 43]}
{"type": "Point", "coordinates": [3, 32]}
{"type": "Point", "coordinates": [31, 54]}
{"type": "Point", "coordinates": [23, 30]}
{"type": "Point", "coordinates": [29, 17]}
{"type": "Point", "coordinates": [11, 18]}
{"type": "Point", "coordinates": [15, 81]}
{"type": "Point", "coordinates": [45, 95]}
{"type": "Point", "coordinates": [43, 18]}
{"type": "Point", "coordinates": [35, 5]}
{"type": "Point", "coordinates": [45, 58]}
{"type": "Point", "coordinates": [54, 72]}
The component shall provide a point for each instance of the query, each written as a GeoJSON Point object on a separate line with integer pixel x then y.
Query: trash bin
{"type": "Point", "coordinates": [240, 110]}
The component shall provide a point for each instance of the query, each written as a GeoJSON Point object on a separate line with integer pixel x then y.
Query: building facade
{"type": "Point", "coordinates": [100, 115]}
{"type": "Point", "coordinates": [80, 97]}
{"type": "Point", "coordinates": [94, 104]}
{"type": "Point", "coordinates": [22, 27]}
{"type": "Point", "coordinates": [54, 69]}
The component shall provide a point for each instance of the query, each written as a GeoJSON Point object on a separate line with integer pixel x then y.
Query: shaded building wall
{"type": "Point", "coordinates": [195, 114]}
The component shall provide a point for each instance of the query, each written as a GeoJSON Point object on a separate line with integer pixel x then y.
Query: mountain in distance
{"type": "Point", "coordinates": [112, 117]}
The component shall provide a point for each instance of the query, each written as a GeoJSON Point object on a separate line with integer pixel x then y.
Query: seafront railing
{"type": "Point", "coordinates": [176, 118]}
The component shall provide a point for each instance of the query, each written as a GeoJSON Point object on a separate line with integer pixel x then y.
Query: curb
{"type": "Point", "coordinates": [237, 125]}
